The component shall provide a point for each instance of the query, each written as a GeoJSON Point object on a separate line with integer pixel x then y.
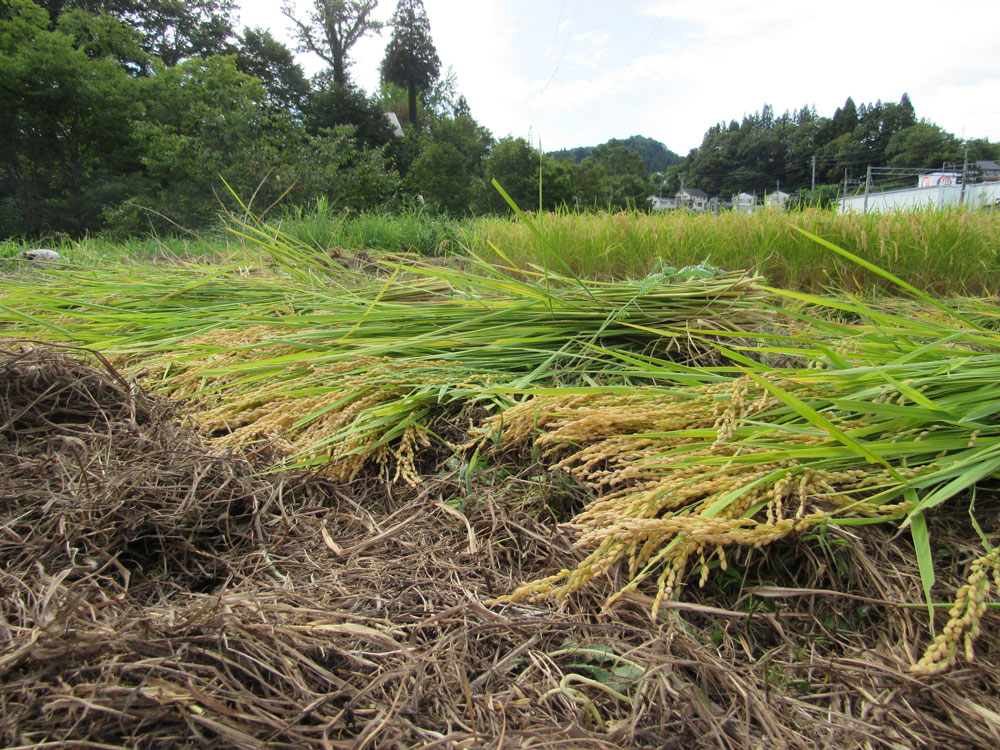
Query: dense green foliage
{"type": "Point", "coordinates": [765, 151]}
{"type": "Point", "coordinates": [125, 116]}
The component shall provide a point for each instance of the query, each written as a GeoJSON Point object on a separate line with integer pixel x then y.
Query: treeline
{"type": "Point", "coordinates": [127, 115]}
{"type": "Point", "coordinates": [764, 151]}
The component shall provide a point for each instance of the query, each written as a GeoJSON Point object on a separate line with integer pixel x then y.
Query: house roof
{"type": "Point", "coordinates": [987, 164]}
{"type": "Point", "coordinates": [693, 192]}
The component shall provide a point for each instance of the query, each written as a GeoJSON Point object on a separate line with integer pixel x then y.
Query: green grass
{"type": "Point", "coordinates": [100, 249]}
{"type": "Point", "coordinates": [412, 231]}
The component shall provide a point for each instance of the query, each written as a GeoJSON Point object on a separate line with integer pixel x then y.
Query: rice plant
{"type": "Point", "coordinates": [948, 253]}
{"type": "Point", "coordinates": [347, 370]}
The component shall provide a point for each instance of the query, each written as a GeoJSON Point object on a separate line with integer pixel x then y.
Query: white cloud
{"type": "Point", "coordinates": [605, 73]}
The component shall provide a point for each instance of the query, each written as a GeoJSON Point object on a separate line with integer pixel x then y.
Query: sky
{"type": "Point", "coordinates": [567, 73]}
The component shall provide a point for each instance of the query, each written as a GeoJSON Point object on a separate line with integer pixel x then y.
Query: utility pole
{"type": "Point", "coordinates": [843, 200]}
{"type": "Point", "coordinates": [965, 171]}
{"type": "Point", "coordinates": [814, 172]}
{"type": "Point", "coordinates": [868, 186]}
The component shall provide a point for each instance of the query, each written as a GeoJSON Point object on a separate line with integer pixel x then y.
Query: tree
{"type": "Point", "coordinates": [335, 167]}
{"type": "Point", "coordinates": [439, 175]}
{"type": "Point", "coordinates": [556, 182]}
{"type": "Point", "coordinates": [101, 35]}
{"type": "Point", "coordinates": [655, 156]}
{"type": "Point", "coordinates": [448, 172]}
{"type": "Point", "coordinates": [331, 104]}
{"type": "Point", "coordinates": [981, 148]}
{"type": "Point", "coordinates": [265, 58]}
{"type": "Point", "coordinates": [513, 163]}
{"type": "Point", "coordinates": [172, 30]}
{"type": "Point", "coordinates": [410, 58]}
{"type": "Point", "coordinates": [845, 119]}
{"type": "Point", "coordinates": [923, 145]}
{"type": "Point", "coordinates": [625, 183]}
{"type": "Point", "coordinates": [204, 120]}
{"type": "Point", "coordinates": [333, 27]}
{"type": "Point", "coordinates": [66, 145]}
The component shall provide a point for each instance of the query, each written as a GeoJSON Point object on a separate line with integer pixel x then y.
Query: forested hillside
{"type": "Point", "coordinates": [123, 115]}
{"type": "Point", "coordinates": [765, 150]}
{"type": "Point", "coordinates": [655, 156]}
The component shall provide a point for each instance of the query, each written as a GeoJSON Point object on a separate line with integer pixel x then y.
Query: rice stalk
{"type": "Point", "coordinates": [892, 416]}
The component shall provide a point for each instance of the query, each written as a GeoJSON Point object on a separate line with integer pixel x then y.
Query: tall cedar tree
{"type": "Point", "coordinates": [410, 58]}
{"type": "Point", "coordinates": [332, 29]}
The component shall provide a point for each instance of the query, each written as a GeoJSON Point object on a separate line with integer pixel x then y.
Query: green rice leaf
{"type": "Point", "coordinates": [922, 547]}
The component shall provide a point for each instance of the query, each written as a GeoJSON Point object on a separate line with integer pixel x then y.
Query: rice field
{"type": "Point", "coordinates": [745, 461]}
{"type": "Point", "coordinates": [947, 253]}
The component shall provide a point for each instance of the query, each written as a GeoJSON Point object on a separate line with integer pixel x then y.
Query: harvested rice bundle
{"type": "Point", "coordinates": [340, 416]}
{"type": "Point", "coordinates": [688, 474]}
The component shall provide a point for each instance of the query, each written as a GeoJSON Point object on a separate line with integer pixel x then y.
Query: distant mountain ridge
{"type": "Point", "coordinates": [656, 156]}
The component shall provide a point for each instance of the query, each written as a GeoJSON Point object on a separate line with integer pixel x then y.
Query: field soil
{"type": "Point", "coordinates": [159, 594]}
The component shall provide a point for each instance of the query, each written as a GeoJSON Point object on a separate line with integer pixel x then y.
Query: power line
{"type": "Point", "coordinates": [563, 52]}
{"type": "Point", "coordinates": [555, 34]}
{"type": "Point", "coordinates": [635, 56]}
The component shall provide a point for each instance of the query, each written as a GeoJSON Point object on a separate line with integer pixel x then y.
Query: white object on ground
{"type": "Point", "coordinates": [40, 254]}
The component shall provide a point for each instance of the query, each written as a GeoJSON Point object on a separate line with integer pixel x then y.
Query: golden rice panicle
{"type": "Point", "coordinates": [406, 454]}
{"type": "Point", "coordinates": [518, 424]}
{"type": "Point", "coordinates": [534, 591]}
{"type": "Point", "coordinates": [731, 413]}
{"type": "Point", "coordinates": [963, 626]}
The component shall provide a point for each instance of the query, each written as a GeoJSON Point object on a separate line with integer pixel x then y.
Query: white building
{"type": "Point", "coordinates": [662, 202]}
{"type": "Point", "coordinates": [777, 199]}
{"type": "Point", "coordinates": [692, 199]}
{"type": "Point", "coordinates": [979, 195]}
{"type": "Point", "coordinates": [744, 203]}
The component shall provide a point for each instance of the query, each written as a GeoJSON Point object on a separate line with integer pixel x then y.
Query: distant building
{"type": "Point", "coordinates": [692, 199]}
{"type": "Point", "coordinates": [777, 199]}
{"type": "Point", "coordinates": [662, 202]}
{"type": "Point", "coordinates": [989, 171]}
{"type": "Point", "coordinates": [744, 203]}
